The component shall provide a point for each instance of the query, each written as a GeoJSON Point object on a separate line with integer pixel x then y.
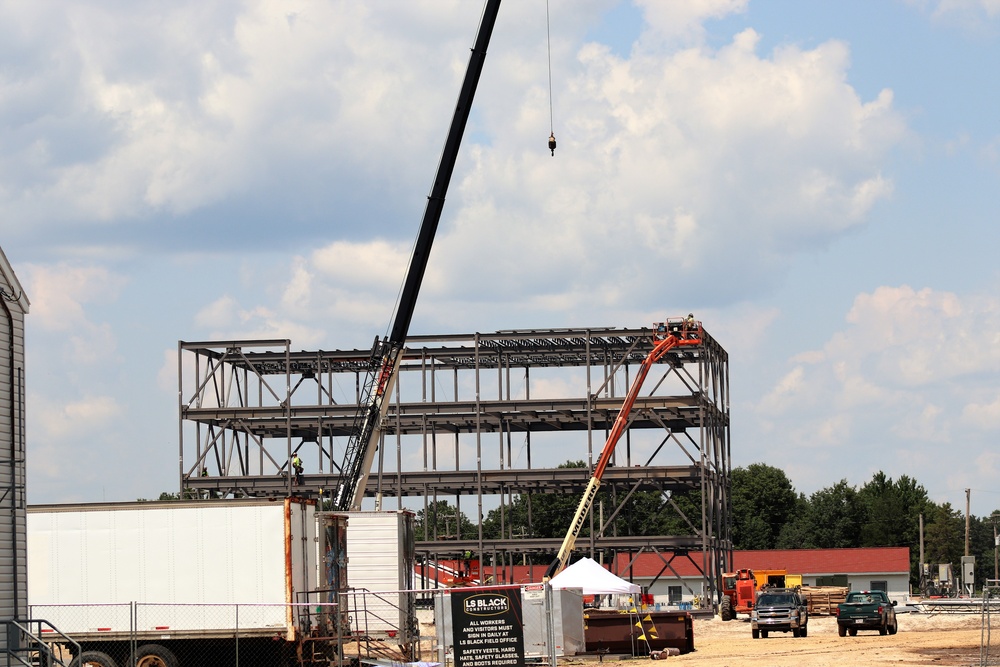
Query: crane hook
{"type": "Point", "coordinates": [552, 144]}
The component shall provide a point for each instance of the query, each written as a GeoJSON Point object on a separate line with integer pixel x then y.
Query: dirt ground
{"type": "Point", "coordinates": [923, 639]}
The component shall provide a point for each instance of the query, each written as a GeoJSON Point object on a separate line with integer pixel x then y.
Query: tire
{"type": "Point", "coordinates": [883, 630]}
{"type": "Point", "coordinates": [154, 655]}
{"type": "Point", "coordinates": [795, 632]}
{"type": "Point", "coordinates": [726, 609]}
{"type": "Point", "coordinates": [93, 659]}
{"type": "Point", "coordinates": [893, 628]}
{"type": "Point", "coordinates": [841, 630]}
{"type": "Point", "coordinates": [755, 634]}
{"type": "Point", "coordinates": [804, 630]}
{"type": "Point", "coordinates": [852, 632]}
{"type": "Point", "coordinates": [763, 634]}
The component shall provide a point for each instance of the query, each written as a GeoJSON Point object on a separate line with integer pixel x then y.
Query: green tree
{"type": "Point", "coordinates": [836, 516]}
{"type": "Point", "coordinates": [164, 495]}
{"type": "Point", "coordinates": [891, 511]}
{"type": "Point", "coordinates": [537, 514]}
{"type": "Point", "coordinates": [797, 533]}
{"type": "Point", "coordinates": [944, 537]}
{"type": "Point", "coordinates": [762, 501]}
{"type": "Point", "coordinates": [981, 546]}
{"type": "Point", "coordinates": [442, 521]}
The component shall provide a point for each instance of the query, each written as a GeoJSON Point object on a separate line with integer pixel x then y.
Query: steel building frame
{"type": "Point", "coordinates": [486, 417]}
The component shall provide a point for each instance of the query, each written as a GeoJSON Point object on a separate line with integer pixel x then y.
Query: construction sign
{"type": "Point", "coordinates": [487, 627]}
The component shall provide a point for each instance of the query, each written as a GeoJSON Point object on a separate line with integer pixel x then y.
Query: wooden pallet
{"type": "Point", "coordinates": [823, 600]}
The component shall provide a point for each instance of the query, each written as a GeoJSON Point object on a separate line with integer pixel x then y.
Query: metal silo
{"type": "Point", "coordinates": [13, 582]}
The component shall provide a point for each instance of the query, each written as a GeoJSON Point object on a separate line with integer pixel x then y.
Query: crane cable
{"type": "Point", "coordinates": [548, 44]}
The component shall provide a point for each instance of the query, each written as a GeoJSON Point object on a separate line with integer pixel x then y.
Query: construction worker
{"type": "Point", "coordinates": [690, 327]}
{"type": "Point", "coordinates": [297, 465]}
{"type": "Point", "coordinates": [467, 563]}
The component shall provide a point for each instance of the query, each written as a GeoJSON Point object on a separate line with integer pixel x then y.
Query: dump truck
{"type": "Point", "coordinates": [185, 583]}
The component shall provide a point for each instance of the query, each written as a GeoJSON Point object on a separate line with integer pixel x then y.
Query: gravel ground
{"type": "Point", "coordinates": [923, 639]}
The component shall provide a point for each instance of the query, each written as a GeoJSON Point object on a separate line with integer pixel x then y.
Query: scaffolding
{"type": "Point", "coordinates": [479, 420]}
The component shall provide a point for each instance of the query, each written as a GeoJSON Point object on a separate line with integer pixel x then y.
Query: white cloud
{"type": "Point", "coordinates": [376, 264]}
{"type": "Point", "coordinates": [901, 370]}
{"type": "Point", "coordinates": [60, 292]}
{"type": "Point", "coordinates": [78, 418]}
{"type": "Point", "coordinates": [181, 107]}
{"type": "Point", "coordinates": [684, 20]}
{"type": "Point", "coordinates": [984, 416]}
{"type": "Point", "coordinates": [704, 165]}
{"type": "Point", "coordinates": [60, 296]}
{"type": "Point", "coordinates": [166, 377]}
{"type": "Point", "coordinates": [666, 157]}
{"type": "Point", "coordinates": [226, 319]}
{"type": "Point", "coordinates": [967, 10]}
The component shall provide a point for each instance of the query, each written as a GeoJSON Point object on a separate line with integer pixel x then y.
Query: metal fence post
{"type": "Point", "coordinates": [550, 633]}
{"type": "Point", "coordinates": [133, 629]}
{"type": "Point", "coordinates": [237, 637]}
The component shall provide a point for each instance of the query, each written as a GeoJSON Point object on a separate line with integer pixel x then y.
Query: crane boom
{"type": "Point", "coordinates": [666, 336]}
{"type": "Point", "coordinates": [387, 353]}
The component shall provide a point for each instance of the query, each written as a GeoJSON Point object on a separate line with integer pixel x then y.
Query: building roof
{"type": "Point", "coordinates": [870, 560]}
{"type": "Point", "coordinates": [9, 279]}
{"type": "Point", "coordinates": [809, 562]}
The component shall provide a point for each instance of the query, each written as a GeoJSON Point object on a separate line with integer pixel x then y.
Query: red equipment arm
{"type": "Point", "coordinates": [662, 346]}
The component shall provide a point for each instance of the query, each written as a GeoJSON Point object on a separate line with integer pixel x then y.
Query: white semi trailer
{"type": "Point", "coordinates": [185, 583]}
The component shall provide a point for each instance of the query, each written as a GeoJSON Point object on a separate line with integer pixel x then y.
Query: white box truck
{"type": "Point", "coordinates": [184, 583]}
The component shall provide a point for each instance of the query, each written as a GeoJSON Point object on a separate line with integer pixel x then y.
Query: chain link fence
{"type": "Point", "coordinates": [328, 629]}
{"type": "Point", "coordinates": [989, 644]}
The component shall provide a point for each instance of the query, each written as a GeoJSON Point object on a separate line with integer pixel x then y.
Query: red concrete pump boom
{"type": "Point", "coordinates": [666, 336]}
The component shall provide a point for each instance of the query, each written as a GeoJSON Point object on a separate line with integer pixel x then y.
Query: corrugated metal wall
{"type": "Point", "coordinates": [13, 582]}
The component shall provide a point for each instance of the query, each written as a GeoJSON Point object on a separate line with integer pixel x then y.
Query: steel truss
{"type": "Point", "coordinates": [480, 417]}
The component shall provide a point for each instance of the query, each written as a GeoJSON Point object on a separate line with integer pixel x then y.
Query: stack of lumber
{"type": "Point", "coordinates": [823, 600]}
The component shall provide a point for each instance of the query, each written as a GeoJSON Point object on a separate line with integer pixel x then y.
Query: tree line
{"type": "Point", "coordinates": [767, 513]}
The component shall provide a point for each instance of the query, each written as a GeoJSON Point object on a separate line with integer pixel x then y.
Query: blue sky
{"type": "Point", "coordinates": [816, 181]}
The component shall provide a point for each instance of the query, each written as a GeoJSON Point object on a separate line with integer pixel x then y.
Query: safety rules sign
{"type": "Point", "coordinates": [487, 627]}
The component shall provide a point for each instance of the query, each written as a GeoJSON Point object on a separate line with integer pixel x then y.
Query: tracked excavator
{"type": "Point", "coordinates": [388, 351]}
{"type": "Point", "coordinates": [666, 336]}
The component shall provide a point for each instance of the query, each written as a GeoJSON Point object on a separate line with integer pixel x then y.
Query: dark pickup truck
{"type": "Point", "coordinates": [866, 610]}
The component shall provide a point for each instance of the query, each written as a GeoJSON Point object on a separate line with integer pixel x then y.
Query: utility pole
{"type": "Point", "coordinates": [923, 580]}
{"type": "Point", "coordinates": [967, 494]}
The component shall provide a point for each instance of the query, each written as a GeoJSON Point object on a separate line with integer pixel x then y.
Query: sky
{"type": "Point", "coordinates": [816, 181]}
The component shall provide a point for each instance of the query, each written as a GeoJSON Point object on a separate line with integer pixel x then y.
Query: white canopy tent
{"type": "Point", "coordinates": [593, 579]}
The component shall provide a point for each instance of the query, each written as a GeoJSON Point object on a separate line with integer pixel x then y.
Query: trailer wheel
{"type": "Point", "coordinates": [154, 655]}
{"type": "Point", "coordinates": [93, 659]}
